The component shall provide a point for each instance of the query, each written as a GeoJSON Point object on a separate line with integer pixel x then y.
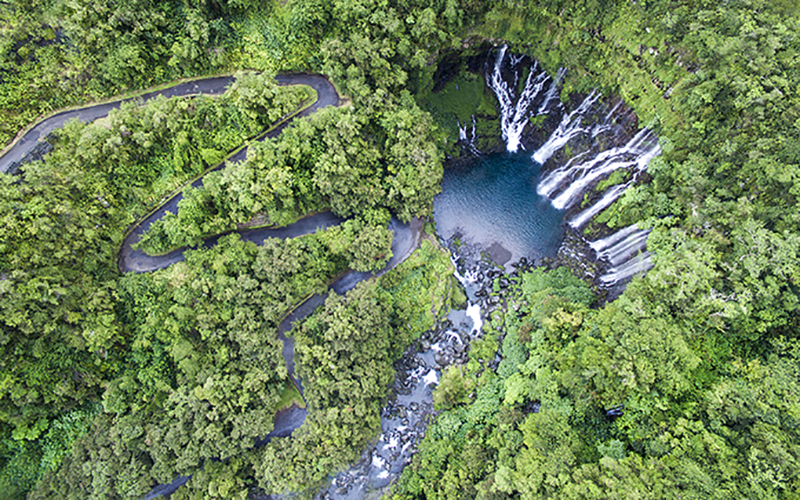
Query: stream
{"type": "Point", "coordinates": [509, 210]}
{"type": "Point", "coordinates": [499, 210]}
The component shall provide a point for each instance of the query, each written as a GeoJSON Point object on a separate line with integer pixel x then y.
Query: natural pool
{"type": "Point", "coordinates": [493, 204]}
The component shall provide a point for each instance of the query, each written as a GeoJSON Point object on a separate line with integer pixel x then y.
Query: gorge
{"type": "Point", "coordinates": [585, 145]}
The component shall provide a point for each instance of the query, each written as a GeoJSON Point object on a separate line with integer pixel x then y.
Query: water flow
{"type": "Point", "coordinates": [639, 263]}
{"type": "Point", "coordinates": [608, 198]}
{"type": "Point", "coordinates": [473, 308]}
{"type": "Point", "coordinates": [601, 244]}
{"type": "Point", "coordinates": [636, 154]}
{"type": "Point", "coordinates": [623, 246]}
{"type": "Point", "coordinates": [514, 113]}
{"type": "Point", "coordinates": [551, 92]}
{"type": "Point", "coordinates": [466, 139]}
{"type": "Point", "coordinates": [607, 123]}
{"type": "Point", "coordinates": [404, 419]}
{"type": "Point", "coordinates": [624, 250]}
{"type": "Point", "coordinates": [570, 126]}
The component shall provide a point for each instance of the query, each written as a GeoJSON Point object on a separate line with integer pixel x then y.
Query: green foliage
{"type": "Point", "coordinates": [345, 355]}
{"type": "Point", "coordinates": [60, 53]}
{"type": "Point", "coordinates": [27, 456]}
{"type": "Point", "coordinates": [357, 161]}
{"type": "Point", "coordinates": [205, 372]}
{"type": "Point", "coordinates": [65, 222]}
{"type": "Point", "coordinates": [452, 389]}
{"type": "Point", "coordinates": [705, 440]}
{"type": "Point", "coordinates": [702, 351]}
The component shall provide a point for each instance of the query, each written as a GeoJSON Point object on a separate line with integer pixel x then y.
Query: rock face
{"type": "Point", "coordinates": [405, 417]}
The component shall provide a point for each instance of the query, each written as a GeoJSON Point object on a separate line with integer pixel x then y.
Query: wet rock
{"type": "Point", "coordinates": [413, 406]}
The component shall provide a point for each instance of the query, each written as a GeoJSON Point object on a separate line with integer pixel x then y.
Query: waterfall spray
{"type": "Point", "coordinates": [636, 154]}
{"type": "Point", "coordinates": [639, 263]}
{"type": "Point", "coordinates": [608, 198]}
{"type": "Point", "coordinates": [514, 111]}
{"type": "Point", "coordinates": [551, 93]}
{"type": "Point", "coordinates": [624, 250]}
{"type": "Point", "coordinates": [467, 139]}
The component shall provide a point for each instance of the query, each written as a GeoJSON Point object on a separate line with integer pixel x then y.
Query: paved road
{"type": "Point", "coordinates": [138, 261]}
{"type": "Point", "coordinates": [406, 235]}
{"type": "Point", "coordinates": [90, 113]}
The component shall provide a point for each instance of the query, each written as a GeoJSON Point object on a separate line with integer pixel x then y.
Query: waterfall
{"type": "Point", "coordinates": [514, 113]}
{"type": "Point", "coordinates": [608, 198]}
{"type": "Point", "coordinates": [600, 245]}
{"type": "Point", "coordinates": [607, 123]}
{"type": "Point", "coordinates": [473, 309]}
{"type": "Point", "coordinates": [551, 92]}
{"type": "Point", "coordinates": [624, 250]}
{"type": "Point", "coordinates": [621, 245]}
{"type": "Point", "coordinates": [570, 126]}
{"type": "Point", "coordinates": [640, 263]}
{"type": "Point", "coordinates": [636, 154]}
{"type": "Point", "coordinates": [468, 139]}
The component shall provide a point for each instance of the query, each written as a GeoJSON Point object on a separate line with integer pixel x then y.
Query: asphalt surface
{"type": "Point", "coordinates": [406, 235]}
{"type": "Point", "coordinates": [39, 132]}
{"type": "Point", "coordinates": [138, 261]}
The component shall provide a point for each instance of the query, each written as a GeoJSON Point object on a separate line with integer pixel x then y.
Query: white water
{"type": "Point", "coordinates": [465, 137]}
{"type": "Point", "coordinates": [474, 313]}
{"type": "Point", "coordinates": [462, 132]}
{"type": "Point", "coordinates": [640, 263]}
{"type": "Point", "coordinates": [473, 310]}
{"type": "Point", "coordinates": [607, 123]}
{"type": "Point", "coordinates": [620, 252]}
{"type": "Point", "coordinates": [636, 154]}
{"type": "Point", "coordinates": [570, 126]}
{"type": "Point", "coordinates": [601, 244]}
{"type": "Point", "coordinates": [608, 198]}
{"type": "Point", "coordinates": [514, 113]}
{"type": "Point", "coordinates": [624, 246]}
{"type": "Point", "coordinates": [551, 93]}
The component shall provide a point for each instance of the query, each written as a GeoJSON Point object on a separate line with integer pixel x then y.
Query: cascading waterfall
{"type": "Point", "coordinates": [601, 244]}
{"type": "Point", "coordinates": [467, 139]}
{"type": "Point", "coordinates": [473, 309]}
{"type": "Point", "coordinates": [571, 126]}
{"type": "Point", "coordinates": [607, 123]}
{"type": "Point", "coordinates": [514, 111]}
{"type": "Point", "coordinates": [624, 250]}
{"type": "Point", "coordinates": [592, 125]}
{"type": "Point", "coordinates": [639, 263]}
{"type": "Point", "coordinates": [608, 198]}
{"type": "Point", "coordinates": [544, 108]}
{"type": "Point", "coordinates": [636, 154]}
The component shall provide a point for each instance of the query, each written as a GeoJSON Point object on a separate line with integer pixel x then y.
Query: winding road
{"type": "Point", "coordinates": [406, 235]}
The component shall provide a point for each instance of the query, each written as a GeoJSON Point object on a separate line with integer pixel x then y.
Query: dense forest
{"type": "Point", "coordinates": [113, 383]}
